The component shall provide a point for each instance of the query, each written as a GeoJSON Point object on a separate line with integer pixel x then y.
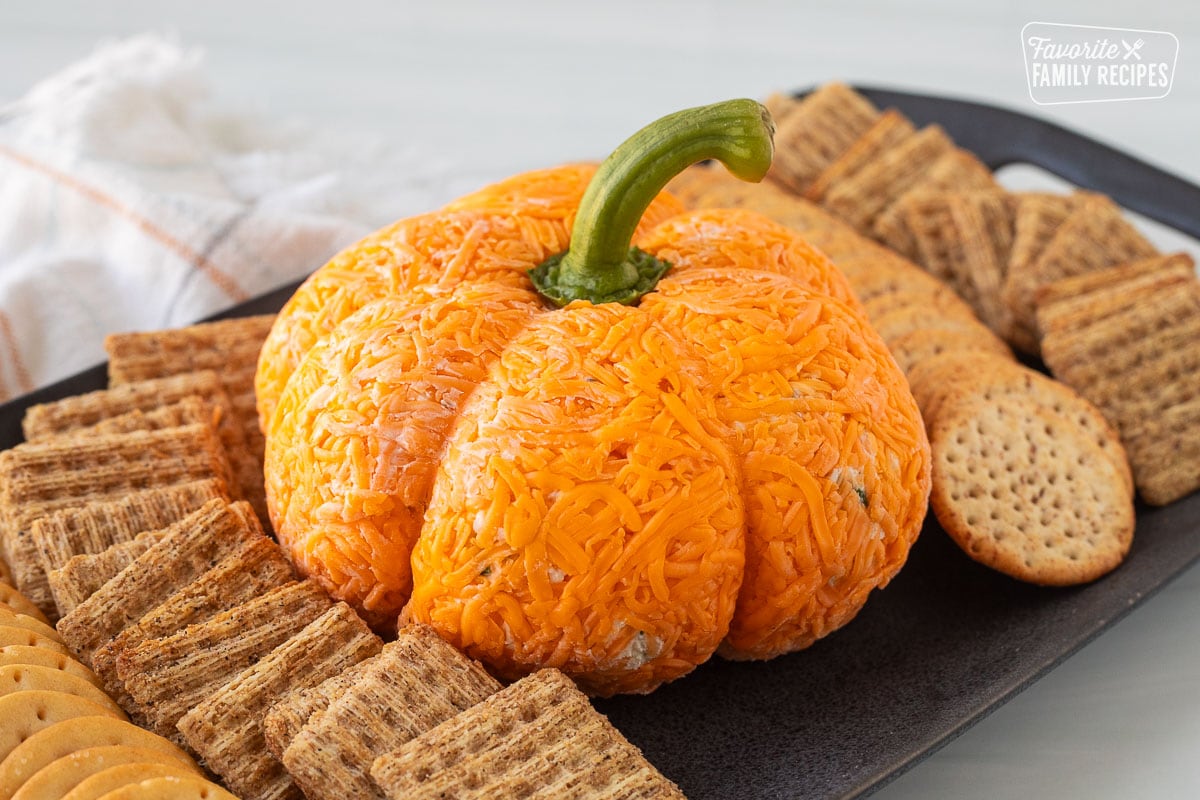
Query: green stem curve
{"type": "Point", "coordinates": [600, 265]}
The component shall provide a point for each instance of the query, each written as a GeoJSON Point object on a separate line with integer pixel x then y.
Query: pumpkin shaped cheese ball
{"type": "Point", "coordinates": [559, 450]}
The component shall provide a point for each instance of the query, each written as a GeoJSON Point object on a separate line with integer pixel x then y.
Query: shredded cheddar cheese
{"type": "Point", "coordinates": [619, 492]}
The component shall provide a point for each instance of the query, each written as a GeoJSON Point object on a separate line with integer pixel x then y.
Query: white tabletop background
{"type": "Point", "coordinates": [503, 87]}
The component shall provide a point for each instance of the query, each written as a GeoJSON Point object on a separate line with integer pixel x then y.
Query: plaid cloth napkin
{"type": "Point", "coordinates": [129, 200]}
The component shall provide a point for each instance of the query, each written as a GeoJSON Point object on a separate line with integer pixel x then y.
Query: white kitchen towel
{"type": "Point", "coordinates": [131, 200]}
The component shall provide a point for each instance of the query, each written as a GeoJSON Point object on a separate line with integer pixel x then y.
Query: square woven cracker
{"type": "Point", "coordinates": [861, 198]}
{"type": "Point", "coordinates": [188, 411]}
{"type": "Point", "coordinates": [1109, 358]}
{"type": "Point", "coordinates": [169, 676]}
{"type": "Point", "coordinates": [256, 567]}
{"type": "Point", "coordinates": [1130, 343]}
{"type": "Point", "coordinates": [292, 712]}
{"type": "Point", "coordinates": [39, 478]}
{"type": "Point", "coordinates": [1073, 303]}
{"type": "Point", "coordinates": [226, 729]}
{"type": "Point", "coordinates": [1037, 216]}
{"type": "Point", "coordinates": [1094, 236]}
{"type": "Point", "coordinates": [97, 526]}
{"type": "Point", "coordinates": [228, 347]}
{"type": "Point", "coordinates": [1165, 451]}
{"type": "Point", "coordinates": [886, 132]}
{"type": "Point", "coordinates": [187, 550]}
{"type": "Point", "coordinates": [82, 411]}
{"type": "Point", "coordinates": [417, 682]}
{"type": "Point", "coordinates": [116, 409]}
{"type": "Point", "coordinates": [816, 131]}
{"type": "Point", "coordinates": [81, 576]}
{"type": "Point", "coordinates": [953, 171]}
{"type": "Point", "coordinates": [538, 738]}
{"type": "Point", "coordinates": [964, 239]}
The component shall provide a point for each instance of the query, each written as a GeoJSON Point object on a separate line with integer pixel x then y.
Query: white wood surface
{"type": "Point", "coordinates": [501, 87]}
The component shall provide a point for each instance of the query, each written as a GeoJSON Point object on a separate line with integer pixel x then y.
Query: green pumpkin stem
{"type": "Point", "coordinates": [600, 265]}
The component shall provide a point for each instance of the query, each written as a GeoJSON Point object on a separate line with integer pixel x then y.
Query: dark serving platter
{"type": "Point", "coordinates": [948, 641]}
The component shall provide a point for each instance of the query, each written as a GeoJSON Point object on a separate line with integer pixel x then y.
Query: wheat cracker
{"type": "Point", "coordinates": [150, 404]}
{"type": "Point", "coordinates": [253, 568]}
{"type": "Point", "coordinates": [954, 171]}
{"type": "Point", "coordinates": [1077, 289]}
{"type": "Point", "coordinates": [168, 676]}
{"type": "Point", "coordinates": [226, 729]}
{"type": "Point", "coordinates": [1094, 236]}
{"type": "Point", "coordinates": [538, 738]}
{"type": "Point", "coordinates": [888, 131]}
{"type": "Point", "coordinates": [188, 411]}
{"type": "Point", "coordinates": [228, 347]}
{"type": "Point", "coordinates": [417, 682]}
{"type": "Point", "coordinates": [862, 197]}
{"type": "Point", "coordinates": [816, 130]}
{"type": "Point", "coordinates": [1037, 216]}
{"type": "Point", "coordinates": [40, 478]}
{"type": "Point", "coordinates": [1165, 452]}
{"type": "Point", "coordinates": [82, 412]}
{"type": "Point", "coordinates": [1139, 294]}
{"type": "Point", "coordinates": [288, 715]}
{"type": "Point", "coordinates": [187, 549]}
{"type": "Point", "coordinates": [95, 527]}
{"type": "Point", "coordinates": [83, 575]}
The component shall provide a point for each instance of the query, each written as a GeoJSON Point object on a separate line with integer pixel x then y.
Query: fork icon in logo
{"type": "Point", "coordinates": [1132, 49]}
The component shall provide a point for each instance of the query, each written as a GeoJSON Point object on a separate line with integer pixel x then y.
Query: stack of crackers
{"type": "Point", "coordinates": [1000, 252]}
{"type": "Point", "coordinates": [63, 736]}
{"type": "Point", "coordinates": [134, 516]}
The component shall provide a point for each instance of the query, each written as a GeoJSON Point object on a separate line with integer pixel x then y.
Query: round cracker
{"type": "Point", "coordinates": [55, 780]}
{"type": "Point", "coordinates": [26, 678]}
{"type": "Point", "coordinates": [895, 325]}
{"type": "Point", "coordinates": [932, 379]}
{"type": "Point", "coordinates": [972, 377]}
{"type": "Point", "coordinates": [64, 738]}
{"type": "Point", "coordinates": [1028, 493]}
{"type": "Point", "coordinates": [41, 657]}
{"type": "Point", "coordinates": [940, 302]}
{"type": "Point", "coordinates": [96, 771]}
{"type": "Point", "coordinates": [12, 635]}
{"type": "Point", "coordinates": [172, 788]}
{"type": "Point", "coordinates": [19, 602]}
{"type": "Point", "coordinates": [890, 276]}
{"type": "Point", "coordinates": [19, 619]}
{"type": "Point", "coordinates": [26, 713]}
{"type": "Point", "coordinates": [913, 348]}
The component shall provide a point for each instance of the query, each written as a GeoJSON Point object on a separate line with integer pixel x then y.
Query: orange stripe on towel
{"type": "Point", "coordinates": [223, 281]}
